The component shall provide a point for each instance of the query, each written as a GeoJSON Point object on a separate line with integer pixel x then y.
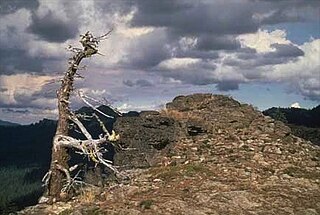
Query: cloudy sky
{"type": "Point", "coordinates": [262, 52]}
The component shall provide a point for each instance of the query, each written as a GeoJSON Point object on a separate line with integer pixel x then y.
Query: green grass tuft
{"type": "Point", "coordinates": [146, 204]}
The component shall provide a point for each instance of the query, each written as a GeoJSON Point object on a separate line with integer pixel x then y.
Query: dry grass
{"type": "Point", "coordinates": [88, 195]}
{"type": "Point", "coordinates": [172, 114]}
{"type": "Point", "coordinates": [174, 172]}
{"type": "Point", "coordinates": [178, 115]}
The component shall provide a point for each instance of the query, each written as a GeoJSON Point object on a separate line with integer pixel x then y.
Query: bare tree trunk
{"type": "Point", "coordinates": [58, 179]}
{"type": "Point", "coordinates": [59, 154]}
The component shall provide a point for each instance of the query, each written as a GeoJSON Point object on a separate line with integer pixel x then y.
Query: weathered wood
{"type": "Point", "coordinates": [60, 153]}
{"type": "Point", "coordinates": [59, 175]}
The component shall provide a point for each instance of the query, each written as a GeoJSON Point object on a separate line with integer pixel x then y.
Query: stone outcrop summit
{"type": "Point", "coordinates": [208, 154]}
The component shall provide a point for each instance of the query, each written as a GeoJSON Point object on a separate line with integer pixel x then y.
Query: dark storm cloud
{"type": "Point", "coordinates": [162, 7]}
{"type": "Point", "coordinates": [215, 25]}
{"type": "Point", "coordinates": [209, 18]}
{"type": "Point", "coordinates": [148, 51]}
{"type": "Point", "coordinates": [289, 10]}
{"type": "Point", "coordinates": [227, 86]}
{"type": "Point", "coordinates": [247, 54]}
{"type": "Point", "coordinates": [196, 18]}
{"type": "Point", "coordinates": [284, 50]}
{"type": "Point", "coordinates": [13, 60]}
{"type": "Point", "coordinates": [289, 2]}
{"type": "Point", "coordinates": [283, 53]}
{"type": "Point", "coordinates": [197, 54]}
{"type": "Point", "coordinates": [143, 83]}
{"type": "Point", "coordinates": [138, 83]}
{"type": "Point", "coordinates": [200, 73]}
{"type": "Point", "coordinates": [310, 87]}
{"type": "Point", "coordinates": [52, 28]}
{"type": "Point", "coordinates": [11, 6]}
{"type": "Point", "coordinates": [312, 95]}
{"type": "Point", "coordinates": [281, 16]}
{"type": "Point", "coordinates": [213, 42]}
{"type": "Point", "coordinates": [192, 77]}
{"type": "Point", "coordinates": [128, 83]}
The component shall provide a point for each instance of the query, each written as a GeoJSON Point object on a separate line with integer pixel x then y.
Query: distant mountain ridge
{"type": "Point", "coordinates": [29, 147]}
{"type": "Point", "coordinates": [33, 142]}
{"type": "Point", "coordinates": [8, 124]}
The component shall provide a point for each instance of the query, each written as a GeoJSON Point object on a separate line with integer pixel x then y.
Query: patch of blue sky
{"type": "Point", "coordinates": [299, 32]}
{"type": "Point", "coordinates": [266, 95]}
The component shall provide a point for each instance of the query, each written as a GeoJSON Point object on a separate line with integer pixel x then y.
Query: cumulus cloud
{"type": "Point", "coordinates": [295, 105]}
{"type": "Point", "coordinates": [20, 51]}
{"type": "Point", "coordinates": [22, 91]}
{"type": "Point", "coordinates": [156, 44]}
{"type": "Point", "coordinates": [262, 40]}
{"type": "Point", "coordinates": [227, 86]}
{"type": "Point", "coordinates": [51, 28]}
{"type": "Point", "coordinates": [304, 74]}
{"type": "Point", "coordinates": [148, 50]}
{"type": "Point", "coordinates": [178, 63]}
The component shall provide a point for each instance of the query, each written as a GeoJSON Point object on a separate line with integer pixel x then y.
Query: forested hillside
{"type": "Point", "coordinates": [303, 122]}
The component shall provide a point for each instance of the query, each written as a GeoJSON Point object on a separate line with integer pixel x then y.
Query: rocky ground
{"type": "Point", "coordinates": [205, 154]}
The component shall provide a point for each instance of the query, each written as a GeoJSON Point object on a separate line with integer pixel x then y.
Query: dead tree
{"type": "Point", "coordinates": [59, 180]}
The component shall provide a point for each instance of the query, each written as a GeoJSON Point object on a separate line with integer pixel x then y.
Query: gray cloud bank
{"type": "Point", "coordinates": [176, 42]}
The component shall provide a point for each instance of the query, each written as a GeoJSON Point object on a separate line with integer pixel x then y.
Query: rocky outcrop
{"type": "Point", "coordinates": [224, 157]}
{"type": "Point", "coordinates": [143, 137]}
{"type": "Point", "coordinates": [152, 135]}
{"type": "Point", "coordinates": [209, 154]}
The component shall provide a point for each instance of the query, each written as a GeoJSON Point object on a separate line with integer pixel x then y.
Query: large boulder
{"type": "Point", "coordinates": [142, 137]}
